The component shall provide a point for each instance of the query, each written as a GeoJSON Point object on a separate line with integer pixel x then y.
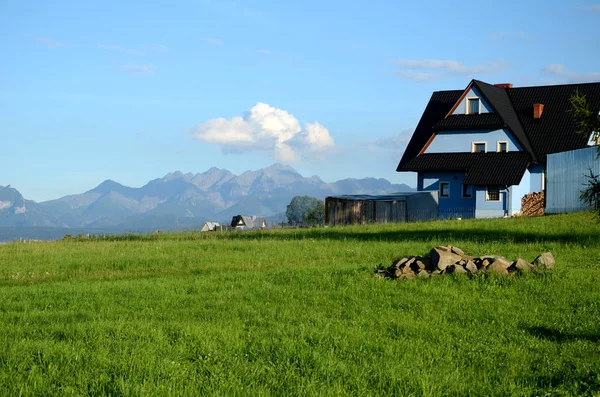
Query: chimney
{"type": "Point", "coordinates": [504, 85]}
{"type": "Point", "coordinates": [538, 108]}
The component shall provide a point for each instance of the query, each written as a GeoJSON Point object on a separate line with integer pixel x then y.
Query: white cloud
{"type": "Point", "coordinates": [414, 69]}
{"type": "Point", "coordinates": [266, 129]}
{"type": "Point", "coordinates": [160, 48]}
{"type": "Point", "coordinates": [211, 40]}
{"type": "Point", "coordinates": [117, 48]}
{"type": "Point", "coordinates": [566, 76]}
{"type": "Point", "coordinates": [49, 43]}
{"type": "Point", "coordinates": [139, 69]}
{"type": "Point", "coordinates": [419, 76]}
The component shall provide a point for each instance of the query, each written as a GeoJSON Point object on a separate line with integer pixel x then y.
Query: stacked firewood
{"type": "Point", "coordinates": [533, 204]}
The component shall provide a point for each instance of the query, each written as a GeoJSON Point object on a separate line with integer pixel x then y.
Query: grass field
{"type": "Point", "coordinates": [299, 312]}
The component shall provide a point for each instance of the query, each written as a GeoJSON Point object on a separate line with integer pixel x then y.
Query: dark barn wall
{"type": "Point", "coordinates": [362, 210]}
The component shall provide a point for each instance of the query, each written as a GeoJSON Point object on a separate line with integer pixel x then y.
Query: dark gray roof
{"type": "Point", "coordinates": [513, 109]}
{"type": "Point", "coordinates": [554, 132]}
{"type": "Point", "coordinates": [439, 105]}
{"type": "Point", "coordinates": [380, 197]}
{"type": "Point", "coordinates": [485, 169]}
{"type": "Point", "coordinates": [500, 102]}
{"type": "Point", "coordinates": [468, 121]}
{"type": "Point", "coordinates": [250, 222]}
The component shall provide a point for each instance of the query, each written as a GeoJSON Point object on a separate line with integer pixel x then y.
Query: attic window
{"type": "Point", "coordinates": [479, 147]}
{"type": "Point", "coordinates": [473, 105]}
{"type": "Point", "coordinates": [502, 146]}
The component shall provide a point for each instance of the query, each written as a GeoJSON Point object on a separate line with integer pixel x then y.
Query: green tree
{"type": "Point", "coordinates": [587, 124]}
{"type": "Point", "coordinates": [298, 208]}
{"type": "Point", "coordinates": [316, 215]}
{"type": "Point", "coordinates": [591, 194]}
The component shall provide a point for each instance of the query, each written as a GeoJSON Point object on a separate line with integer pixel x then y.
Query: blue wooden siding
{"type": "Point", "coordinates": [461, 141]}
{"type": "Point", "coordinates": [454, 206]}
{"type": "Point", "coordinates": [565, 179]}
{"type": "Point", "coordinates": [484, 107]}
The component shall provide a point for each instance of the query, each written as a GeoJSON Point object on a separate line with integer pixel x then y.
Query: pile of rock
{"type": "Point", "coordinates": [533, 204]}
{"type": "Point", "coordinates": [449, 259]}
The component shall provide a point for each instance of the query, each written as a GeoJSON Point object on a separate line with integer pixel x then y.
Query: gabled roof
{"type": "Point", "coordinates": [500, 102]}
{"type": "Point", "coordinates": [484, 169]}
{"type": "Point", "coordinates": [513, 109]}
{"type": "Point", "coordinates": [555, 131]}
{"type": "Point", "coordinates": [439, 105]}
{"type": "Point", "coordinates": [250, 222]}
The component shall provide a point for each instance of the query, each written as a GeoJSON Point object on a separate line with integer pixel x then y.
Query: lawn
{"type": "Point", "coordinates": [299, 312]}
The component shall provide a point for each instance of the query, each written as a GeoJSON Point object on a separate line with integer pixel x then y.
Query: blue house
{"type": "Point", "coordinates": [483, 148]}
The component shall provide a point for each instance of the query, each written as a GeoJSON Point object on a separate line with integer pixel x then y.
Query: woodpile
{"type": "Point", "coordinates": [533, 204]}
{"type": "Point", "coordinates": [448, 259]}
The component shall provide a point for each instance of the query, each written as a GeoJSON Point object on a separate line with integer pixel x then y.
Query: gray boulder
{"type": "Point", "coordinates": [441, 257]}
{"type": "Point", "coordinates": [471, 267]}
{"type": "Point", "coordinates": [520, 265]}
{"type": "Point", "coordinates": [546, 260]}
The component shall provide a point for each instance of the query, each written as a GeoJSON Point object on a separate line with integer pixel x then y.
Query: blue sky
{"type": "Point", "coordinates": [133, 90]}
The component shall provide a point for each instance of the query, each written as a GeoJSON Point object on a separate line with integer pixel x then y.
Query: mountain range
{"type": "Point", "coordinates": [181, 200]}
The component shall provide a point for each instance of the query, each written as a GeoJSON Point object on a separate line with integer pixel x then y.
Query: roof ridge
{"type": "Point", "coordinates": [556, 85]}
{"type": "Point", "coordinates": [507, 113]}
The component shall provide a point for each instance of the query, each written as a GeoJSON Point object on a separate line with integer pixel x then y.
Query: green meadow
{"type": "Point", "coordinates": [300, 312]}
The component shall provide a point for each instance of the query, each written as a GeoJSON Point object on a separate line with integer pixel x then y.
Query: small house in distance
{"type": "Point", "coordinates": [241, 222]}
{"type": "Point", "coordinates": [389, 208]}
{"type": "Point", "coordinates": [210, 227]}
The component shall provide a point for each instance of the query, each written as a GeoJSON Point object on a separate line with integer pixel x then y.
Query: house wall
{"type": "Point", "coordinates": [517, 192]}
{"type": "Point", "coordinates": [484, 107]}
{"type": "Point", "coordinates": [455, 205]}
{"type": "Point", "coordinates": [537, 178]}
{"type": "Point", "coordinates": [490, 209]}
{"type": "Point", "coordinates": [460, 141]}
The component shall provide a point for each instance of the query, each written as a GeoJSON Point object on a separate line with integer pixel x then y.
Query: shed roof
{"type": "Point", "coordinates": [382, 197]}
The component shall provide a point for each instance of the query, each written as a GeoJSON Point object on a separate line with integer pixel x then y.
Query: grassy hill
{"type": "Point", "coordinates": [299, 312]}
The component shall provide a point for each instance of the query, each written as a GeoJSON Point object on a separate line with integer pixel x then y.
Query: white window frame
{"type": "Point", "coordinates": [470, 98]}
{"type": "Point", "coordinates": [487, 194]}
{"type": "Point", "coordinates": [498, 146]}
{"type": "Point", "coordinates": [441, 183]}
{"type": "Point", "coordinates": [463, 191]}
{"type": "Point", "coordinates": [478, 143]}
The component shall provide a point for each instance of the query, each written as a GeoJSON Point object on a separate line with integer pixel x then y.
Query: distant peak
{"type": "Point", "coordinates": [173, 175]}
{"type": "Point", "coordinates": [106, 186]}
{"type": "Point", "coordinates": [279, 166]}
{"type": "Point", "coordinates": [213, 170]}
{"type": "Point", "coordinates": [109, 182]}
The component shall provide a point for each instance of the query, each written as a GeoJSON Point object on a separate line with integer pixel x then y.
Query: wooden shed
{"type": "Point", "coordinates": [364, 209]}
